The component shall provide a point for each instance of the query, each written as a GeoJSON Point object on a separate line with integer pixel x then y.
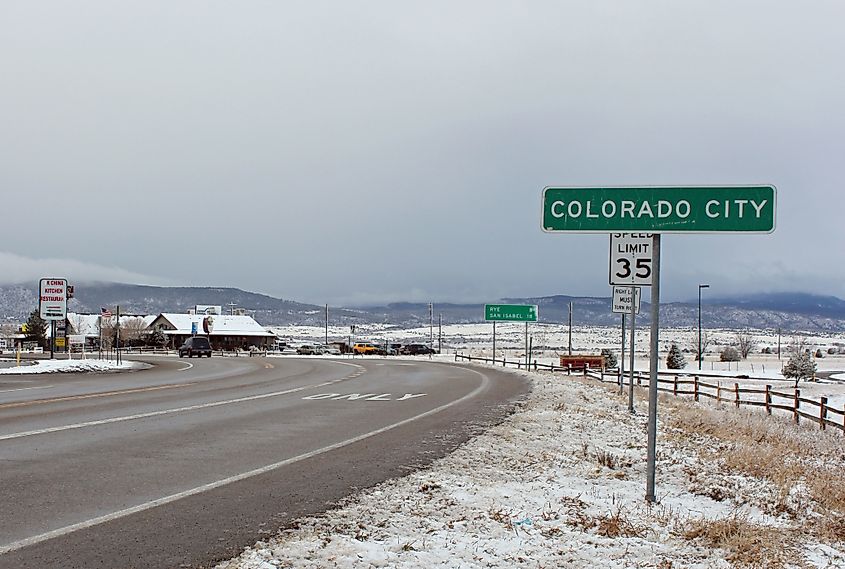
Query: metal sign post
{"type": "Point", "coordinates": [652, 380]}
{"type": "Point", "coordinates": [633, 345]}
{"type": "Point", "coordinates": [626, 299]}
{"type": "Point", "coordinates": [527, 355]}
{"type": "Point", "coordinates": [622, 359]}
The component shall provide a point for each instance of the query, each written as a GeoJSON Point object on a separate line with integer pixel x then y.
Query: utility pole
{"type": "Point", "coordinates": [117, 335]}
{"type": "Point", "coordinates": [700, 355]}
{"type": "Point", "coordinates": [570, 328]}
{"type": "Point", "coordinates": [431, 324]}
{"type": "Point", "coordinates": [440, 335]}
{"type": "Point", "coordinates": [327, 324]}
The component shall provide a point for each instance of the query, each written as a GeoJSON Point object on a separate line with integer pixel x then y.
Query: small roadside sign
{"type": "Point", "coordinates": [622, 297]}
{"type": "Point", "coordinates": [631, 259]}
{"type": "Point", "coordinates": [510, 312]}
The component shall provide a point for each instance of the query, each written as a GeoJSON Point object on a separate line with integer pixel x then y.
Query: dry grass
{"type": "Point", "coordinates": [775, 450]}
{"type": "Point", "coordinates": [617, 524]}
{"type": "Point", "coordinates": [607, 459]}
{"type": "Point", "coordinates": [613, 524]}
{"type": "Point", "coordinates": [747, 544]}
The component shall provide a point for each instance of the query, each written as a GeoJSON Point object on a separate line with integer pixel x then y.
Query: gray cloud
{"type": "Point", "coordinates": [330, 151]}
{"type": "Point", "coordinates": [22, 270]}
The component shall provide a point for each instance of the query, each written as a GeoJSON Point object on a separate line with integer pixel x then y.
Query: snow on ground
{"type": "Point", "coordinates": [550, 340]}
{"type": "Point", "coordinates": [558, 484]}
{"type": "Point", "coordinates": [71, 366]}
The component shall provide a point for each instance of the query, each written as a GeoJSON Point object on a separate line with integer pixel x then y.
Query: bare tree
{"type": "Point", "coordinates": [745, 343]}
{"type": "Point", "coordinates": [132, 331]}
{"type": "Point", "coordinates": [706, 340]}
{"type": "Point", "coordinates": [107, 328]}
{"type": "Point", "coordinates": [799, 344]}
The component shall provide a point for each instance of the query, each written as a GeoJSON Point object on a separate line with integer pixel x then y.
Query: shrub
{"type": "Point", "coordinates": [729, 354]}
{"type": "Point", "coordinates": [609, 357]}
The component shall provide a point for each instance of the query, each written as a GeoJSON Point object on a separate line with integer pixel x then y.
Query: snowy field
{"type": "Point", "coordinates": [561, 484]}
{"type": "Point", "coordinates": [550, 336]}
{"type": "Point", "coordinates": [550, 341]}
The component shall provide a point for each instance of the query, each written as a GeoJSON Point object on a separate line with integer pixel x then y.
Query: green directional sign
{"type": "Point", "coordinates": [510, 312]}
{"type": "Point", "coordinates": [660, 209]}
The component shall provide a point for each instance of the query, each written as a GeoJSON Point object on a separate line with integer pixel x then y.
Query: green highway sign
{"type": "Point", "coordinates": [510, 312]}
{"type": "Point", "coordinates": [660, 209]}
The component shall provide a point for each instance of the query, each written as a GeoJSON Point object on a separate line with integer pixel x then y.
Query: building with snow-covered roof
{"type": "Point", "coordinates": [225, 332]}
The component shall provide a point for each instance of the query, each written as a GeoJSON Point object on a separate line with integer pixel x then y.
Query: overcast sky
{"type": "Point", "coordinates": [353, 152]}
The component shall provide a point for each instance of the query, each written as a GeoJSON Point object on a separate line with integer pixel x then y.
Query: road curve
{"type": "Point", "coordinates": [184, 464]}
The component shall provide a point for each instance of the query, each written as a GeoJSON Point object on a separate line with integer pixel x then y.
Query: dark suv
{"type": "Point", "coordinates": [195, 346]}
{"type": "Point", "coordinates": [416, 350]}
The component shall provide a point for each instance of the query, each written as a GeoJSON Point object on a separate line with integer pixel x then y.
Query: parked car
{"type": "Point", "coordinates": [417, 349]}
{"type": "Point", "coordinates": [364, 348]}
{"type": "Point", "coordinates": [308, 350]}
{"type": "Point", "coordinates": [330, 350]}
{"type": "Point", "coordinates": [195, 346]}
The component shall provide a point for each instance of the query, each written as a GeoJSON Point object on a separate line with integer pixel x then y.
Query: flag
{"type": "Point", "coordinates": [105, 313]}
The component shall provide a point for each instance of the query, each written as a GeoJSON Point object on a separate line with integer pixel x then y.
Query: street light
{"type": "Point", "coordinates": [700, 355]}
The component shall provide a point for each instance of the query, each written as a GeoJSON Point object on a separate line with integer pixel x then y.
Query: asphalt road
{"type": "Point", "coordinates": [184, 464]}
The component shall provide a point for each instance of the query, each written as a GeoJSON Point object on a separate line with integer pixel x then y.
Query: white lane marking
{"type": "Point", "coordinates": [169, 411]}
{"type": "Point", "coordinates": [15, 545]}
{"type": "Point", "coordinates": [361, 396]}
{"type": "Point", "coordinates": [26, 388]}
{"type": "Point", "coordinates": [190, 365]}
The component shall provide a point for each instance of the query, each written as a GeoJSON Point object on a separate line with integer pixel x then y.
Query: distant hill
{"type": "Point", "coordinates": [789, 311]}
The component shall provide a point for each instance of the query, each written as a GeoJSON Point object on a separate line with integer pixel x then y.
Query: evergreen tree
{"type": "Point", "coordinates": [800, 366]}
{"type": "Point", "coordinates": [675, 359]}
{"type": "Point", "coordinates": [36, 329]}
{"type": "Point", "coordinates": [609, 357]}
{"type": "Point", "coordinates": [157, 338]}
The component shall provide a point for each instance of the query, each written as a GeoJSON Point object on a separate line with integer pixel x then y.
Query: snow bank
{"type": "Point", "coordinates": [72, 366]}
{"type": "Point", "coordinates": [561, 483]}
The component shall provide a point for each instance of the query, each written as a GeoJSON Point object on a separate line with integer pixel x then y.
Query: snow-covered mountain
{"type": "Point", "coordinates": [789, 311]}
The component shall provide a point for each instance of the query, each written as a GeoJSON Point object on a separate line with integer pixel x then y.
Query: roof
{"type": "Point", "coordinates": [222, 325]}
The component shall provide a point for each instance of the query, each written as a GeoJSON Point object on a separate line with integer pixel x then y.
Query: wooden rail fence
{"type": "Point", "coordinates": [681, 384]}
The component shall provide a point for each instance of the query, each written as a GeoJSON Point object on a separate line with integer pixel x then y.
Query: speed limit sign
{"type": "Point", "coordinates": [631, 258]}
